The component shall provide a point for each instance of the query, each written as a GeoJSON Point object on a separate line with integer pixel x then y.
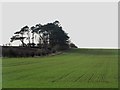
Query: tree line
{"type": "Point", "coordinates": [39, 40]}
{"type": "Point", "coordinates": [50, 35]}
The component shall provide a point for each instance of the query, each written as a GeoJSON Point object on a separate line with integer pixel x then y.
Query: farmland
{"type": "Point", "coordinates": [77, 68]}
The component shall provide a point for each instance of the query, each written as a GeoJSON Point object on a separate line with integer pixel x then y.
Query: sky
{"type": "Point", "coordinates": [89, 24]}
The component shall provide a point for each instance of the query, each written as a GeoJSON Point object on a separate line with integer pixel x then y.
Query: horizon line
{"type": "Point", "coordinates": [82, 47]}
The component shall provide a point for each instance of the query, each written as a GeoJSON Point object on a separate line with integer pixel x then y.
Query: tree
{"type": "Point", "coordinates": [33, 31]}
{"type": "Point", "coordinates": [19, 35]}
{"type": "Point", "coordinates": [26, 29]}
{"type": "Point", "coordinates": [55, 35]}
{"type": "Point", "coordinates": [72, 45]}
{"type": "Point", "coordinates": [37, 29]}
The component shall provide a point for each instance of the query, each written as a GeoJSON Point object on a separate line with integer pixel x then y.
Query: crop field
{"type": "Point", "coordinates": [77, 68]}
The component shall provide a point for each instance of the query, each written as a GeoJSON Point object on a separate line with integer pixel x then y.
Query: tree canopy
{"type": "Point", "coordinates": [50, 36]}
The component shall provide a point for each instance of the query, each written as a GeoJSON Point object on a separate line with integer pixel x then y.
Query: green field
{"type": "Point", "coordinates": [78, 68]}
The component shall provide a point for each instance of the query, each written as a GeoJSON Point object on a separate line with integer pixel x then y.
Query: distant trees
{"type": "Point", "coordinates": [50, 36]}
{"type": "Point", "coordinates": [39, 40]}
{"type": "Point", "coordinates": [19, 35]}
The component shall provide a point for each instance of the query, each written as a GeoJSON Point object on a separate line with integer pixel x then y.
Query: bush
{"type": "Point", "coordinates": [72, 45]}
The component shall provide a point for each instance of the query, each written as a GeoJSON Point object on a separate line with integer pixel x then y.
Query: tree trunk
{"type": "Point", "coordinates": [33, 39]}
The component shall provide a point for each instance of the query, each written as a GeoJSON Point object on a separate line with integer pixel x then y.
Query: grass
{"type": "Point", "coordinates": [78, 68]}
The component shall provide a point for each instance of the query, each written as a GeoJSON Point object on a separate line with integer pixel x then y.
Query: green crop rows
{"type": "Point", "coordinates": [78, 68]}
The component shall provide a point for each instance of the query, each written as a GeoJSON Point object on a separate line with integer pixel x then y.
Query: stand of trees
{"type": "Point", "coordinates": [51, 38]}
{"type": "Point", "coordinates": [51, 35]}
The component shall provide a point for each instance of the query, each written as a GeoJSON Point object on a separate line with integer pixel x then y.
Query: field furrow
{"type": "Point", "coordinates": [78, 68]}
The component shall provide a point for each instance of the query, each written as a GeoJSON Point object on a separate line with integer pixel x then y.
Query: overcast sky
{"type": "Point", "coordinates": [88, 24]}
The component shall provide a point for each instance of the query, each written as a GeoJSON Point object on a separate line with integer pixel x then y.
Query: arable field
{"type": "Point", "coordinates": [77, 68]}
